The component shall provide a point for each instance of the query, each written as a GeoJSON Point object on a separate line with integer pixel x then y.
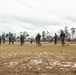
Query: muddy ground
{"type": "Point", "coordinates": [37, 63]}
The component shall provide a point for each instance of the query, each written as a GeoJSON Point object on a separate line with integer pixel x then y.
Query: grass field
{"type": "Point", "coordinates": [29, 59]}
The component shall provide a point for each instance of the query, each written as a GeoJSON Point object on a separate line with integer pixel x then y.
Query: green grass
{"type": "Point", "coordinates": [34, 47]}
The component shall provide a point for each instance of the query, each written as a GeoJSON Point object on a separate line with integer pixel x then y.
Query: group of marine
{"type": "Point", "coordinates": [38, 38]}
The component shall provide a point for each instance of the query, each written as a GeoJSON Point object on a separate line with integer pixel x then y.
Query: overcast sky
{"type": "Point", "coordinates": [36, 16]}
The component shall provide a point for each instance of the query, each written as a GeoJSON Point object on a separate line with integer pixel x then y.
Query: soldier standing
{"type": "Point", "coordinates": [55, 39]}
{"type": "Point", "coordinates": [62, 36]}
{"type": "Point", "coordinates": [21, 39]}
{"type": "Point", "coordinates": [38, 39]}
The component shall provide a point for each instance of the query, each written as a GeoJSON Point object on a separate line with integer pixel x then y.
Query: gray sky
{"type": "Point", "coordinates": [36, 16]}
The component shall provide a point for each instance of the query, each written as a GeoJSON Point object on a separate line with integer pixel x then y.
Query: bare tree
{"type": "Point", "coordinates": [43, 35]}
{"type": "Point", "coordinates": [48, 37]}
{"type": "Point", "coordinates": [60, 31]}
{"type": "Point", "coordinates": [67, 34]}
{"type": "Point", "coordinates": [3, 37]}
{"type": "Point", "coordinates": [73, 31]}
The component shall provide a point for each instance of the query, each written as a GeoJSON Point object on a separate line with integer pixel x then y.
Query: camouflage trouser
{"type": "Point", "coordinates": [62, 41]}
{"type": "Point", "coordinates": [38, 43]}
{"type": "Point", "coordinates": [55, 41]}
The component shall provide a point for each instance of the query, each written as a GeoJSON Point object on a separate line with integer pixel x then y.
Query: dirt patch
{"type": "Point", "coordinates": [37, 63]}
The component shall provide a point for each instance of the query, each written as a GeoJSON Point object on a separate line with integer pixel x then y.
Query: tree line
{"type": "Point", "coordinates": [46, 36]}
{"type": "Point", "coordinates": [69, 34]}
